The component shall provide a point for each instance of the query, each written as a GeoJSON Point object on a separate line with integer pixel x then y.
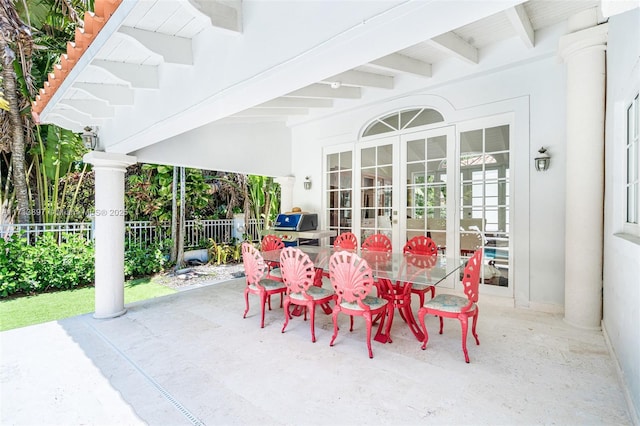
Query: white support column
{"type": "Point", "coordinates": [286, 192]}
{"type": "Point", "coordinates": [109, 231]}
{"type": "Point", "coordinates": [583, 52]}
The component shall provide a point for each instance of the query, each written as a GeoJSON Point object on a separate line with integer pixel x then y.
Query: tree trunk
{"type": "Point", "coordinates": [174, 215]}
{"type": "Point", "coordinates": [17, 134]}
{"type": "Point", "coordinates": [182, 225]}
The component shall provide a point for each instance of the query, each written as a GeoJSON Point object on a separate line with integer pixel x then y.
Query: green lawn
{"type": "Point", "coordinates": [23, 311]}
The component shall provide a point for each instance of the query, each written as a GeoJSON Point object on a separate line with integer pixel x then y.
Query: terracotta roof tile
{"type": "Point", "coordinates": [93, 23]}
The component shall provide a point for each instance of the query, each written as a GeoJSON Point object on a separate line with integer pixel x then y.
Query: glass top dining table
{"type": "Point", "coordinates": [394, 266]}
{"type": "Point", "coordinates": [395, 273]}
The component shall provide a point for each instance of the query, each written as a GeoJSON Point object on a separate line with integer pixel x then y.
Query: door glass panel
{"type": "Point", "coordinates": [376, 193]}
{"type": "Point", "coordinates": [385, 154]}
{"type": "Point", "coordinates": [339, 191]}
{"type": "Point", "coordinates": [415, 150]}
{"type": "Point", "coordinates": [484, 215]}
{"type": "Point", "coordinates": [426, 189]}
{"type": "Point", "coordinates": [368, 157]}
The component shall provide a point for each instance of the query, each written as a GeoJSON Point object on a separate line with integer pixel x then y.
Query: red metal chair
{"type": "Point", "coordinates": [272, 242]}
{"type": "Point", "coordinates": [378, 243]}
{"type": "Point", "coordinates": [255, 271]}
{"type": "Point", "coordinates": [451, 306]}
{"type": "Point", "coordinates": [352, 280]}
{"type": "Point", "coordinates": [423, 246]}
{"type": "Point", "coordinates": [345, 241]}
{"type": "Point", "coordinates": [299, 275]}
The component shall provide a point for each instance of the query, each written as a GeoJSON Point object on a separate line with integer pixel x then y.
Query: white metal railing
{"type": "Point", "coordinates": [142, 233]}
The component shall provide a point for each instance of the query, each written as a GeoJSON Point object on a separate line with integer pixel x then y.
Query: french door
{"type": "Point", "coordinates": [450, 183]}
{"type": "Point", "coordinates": [377, 189]}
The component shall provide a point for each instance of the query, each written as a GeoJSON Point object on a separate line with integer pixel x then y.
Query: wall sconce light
{"type": "Point", "coordinates": [307, 182]}
{"type": "Point", "coordinates": [542, 160]}
{"type": "Point", "coordinates": [89, 138]}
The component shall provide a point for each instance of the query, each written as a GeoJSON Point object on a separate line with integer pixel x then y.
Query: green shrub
{"type": "Point", "coordinates": [139, 261]}
{"type": "Point", "coordinates": [46, 264]}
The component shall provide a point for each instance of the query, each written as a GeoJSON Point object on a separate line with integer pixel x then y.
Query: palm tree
{"type": "Point", "coordinates": [48, 20]}
{"type": "Point", "coordinates": [15, 36]}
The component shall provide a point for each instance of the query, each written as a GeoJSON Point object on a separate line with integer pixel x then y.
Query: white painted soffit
{"type": "Point", "coordinates": [367, 39]}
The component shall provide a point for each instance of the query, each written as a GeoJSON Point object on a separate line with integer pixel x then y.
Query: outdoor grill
{"type": "Point", "coordinates": [290, 226]}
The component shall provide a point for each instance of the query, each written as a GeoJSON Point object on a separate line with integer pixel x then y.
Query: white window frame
{"type": "Point", "coordinates": [631, 142]}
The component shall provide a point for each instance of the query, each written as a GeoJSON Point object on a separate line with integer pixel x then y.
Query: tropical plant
{"type": "Point", "coordinates": [264, 198]}
{"type": "Point", "coordinates": [224, 253]}
{"type": "Point", "coordinates": [32, 37]}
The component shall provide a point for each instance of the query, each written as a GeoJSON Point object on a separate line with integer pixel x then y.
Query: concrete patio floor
{"type": "Point", "coordinates": [190, 358]}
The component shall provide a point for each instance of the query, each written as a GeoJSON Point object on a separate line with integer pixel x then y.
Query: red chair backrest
{"type": "Point", "coordinates": [298, 271]}
{"type": "Point", "coordinates": [254, 265]}
{"type": "Point", "coordinates": [471, 277]}
{"type": "Point", "coordinates": [271, 242]}
{"type": "Point", "coordinates": [345, 241]}
{"type": "Point", "coordinates": [377, 242]}
{"type": "Point", "coordinates": [421, 245]}
{"type": "Point", "coordinates": [351, 277]}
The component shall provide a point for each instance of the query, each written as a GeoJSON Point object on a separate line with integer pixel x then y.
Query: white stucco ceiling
{"type": "Point", "coordinates": [160, 68]}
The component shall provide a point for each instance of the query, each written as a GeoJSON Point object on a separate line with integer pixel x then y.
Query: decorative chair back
{"type": "Point", "coordinates": [377, 242]}
{"type": "Point", "coordinates": [254, 264]}
{"type": "Point", "coordinates": [471, 278]}
{"type": "Point", "coordinates": [271, 242]}
{"type": "Point", "coordinates": [345, 241]}
{"type": "Point", "coordinates": [351, 277]}
{"type": "Point", "coordinates": [298, 271]}
{"type": "Point", "coordinates": [421, 245]}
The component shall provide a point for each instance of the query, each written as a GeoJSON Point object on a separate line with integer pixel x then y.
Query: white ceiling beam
{"type": "Point", "coordinates": [113, 94]}
{"type": "Point", "coordinates": [325, 91]}
{"type": "Point", "coordinates": [73, 115]}
{"type": "Point", "coordinates": [453, 44]}
{"type": "Point", "coordinates": [174, 50]}
{"type": "Point", "coordinates": [138, 76]}
{"type": "Point", "coordinates": [271, 112]}
{"type": "Point", "coordinates": [520, 21]}
{"type": "Point", "coordinates": [66, 123]}
{"type": "Point", "coordinates": [405, 64]}
{"type": "Point", "coordinates": [227, 15]}
{"type": "Point", "coordinates": [297, 103]}
{"type": "Point", "coordinates": [95, 108]}
{"type": "Point", "coordinates": [362, 79]}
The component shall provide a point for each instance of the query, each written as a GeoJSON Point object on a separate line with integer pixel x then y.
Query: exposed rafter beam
{"type": "Point", "coordinates": [174, 50]}
{"type": "Point", "coordinates": [325, 91]}
{"type": "Point", "coordinates": [271, 112]}
{"type": "Point", "coordinates": [139, 76]}
{"type": "Point", "coordinates": [113, 94]}
{"type": "Point", "coordinates": [454, 45]}
{"type": "Point", "coordinates": [297, 103]}
{"type": "Point", "coordinates": [227, 15]}
{"type": "Point", "coordinates": [64, 122]}
{"type": "Point", "coordinates": [74, 115]}
{"type": "Point", "coordinates": [520, 21]}
{"type": "Point", "coordinates": [362, 78]}
{"type": "Point", "coordinates": [96, 109]}
{"type": "Point", "coordinates": [398, 62]}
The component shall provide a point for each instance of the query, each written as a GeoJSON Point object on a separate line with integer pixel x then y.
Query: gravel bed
{"type": "Point", "coordinates": [199, 275]}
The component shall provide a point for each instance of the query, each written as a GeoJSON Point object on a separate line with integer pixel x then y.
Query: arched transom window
{"type": "Point", "coordinates": [403, 120]}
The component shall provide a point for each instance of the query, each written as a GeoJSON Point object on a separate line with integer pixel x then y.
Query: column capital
{"type": "Point", "coordinates": [109, 160]}
{"type": "Point", "coordinates": [594, 38]}
{"type": "Point", "coordinates": [285, 181]}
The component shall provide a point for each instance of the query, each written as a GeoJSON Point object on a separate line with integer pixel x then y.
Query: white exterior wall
{"type": "Point", "coordinates": [259, 149]}
{"type": "Point", "coordinates": [536, 91]}
{"type": "Point", "coordinates": [621, 298]}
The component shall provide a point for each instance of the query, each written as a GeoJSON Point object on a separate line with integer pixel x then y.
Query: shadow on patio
{"type": "Point", "coordinates": [190, 358]}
